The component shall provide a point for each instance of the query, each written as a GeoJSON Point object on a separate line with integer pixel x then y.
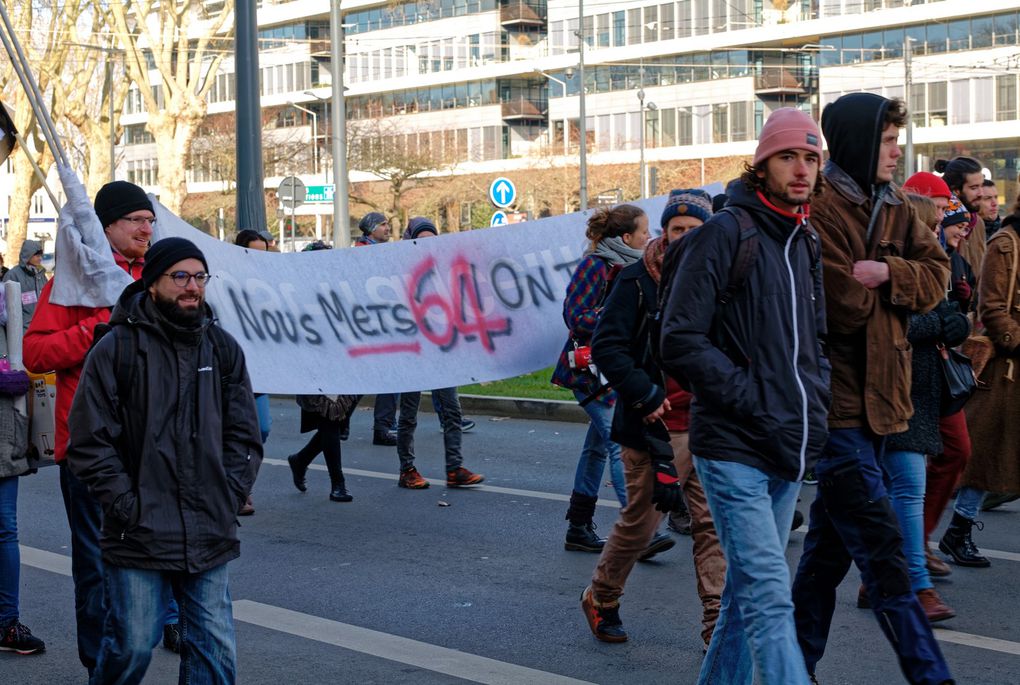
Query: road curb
{"type": "Point", "coordinates": [514, 407]}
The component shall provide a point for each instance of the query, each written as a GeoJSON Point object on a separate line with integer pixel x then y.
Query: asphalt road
{"type": "Point", "coordinates": [396, 588]}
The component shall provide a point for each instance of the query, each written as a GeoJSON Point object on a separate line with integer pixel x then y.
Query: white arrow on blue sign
{"type": "Point", "coordinates": [499, 218]}
{"type": "Point", "coordinates": [502, 192]}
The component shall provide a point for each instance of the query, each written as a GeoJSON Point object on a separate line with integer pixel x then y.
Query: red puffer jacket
{"type": "Point", "coordinates": [58, 339]}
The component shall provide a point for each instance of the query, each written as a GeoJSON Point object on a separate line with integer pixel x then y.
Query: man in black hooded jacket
{"type": "Point", "coordinates": [881, 263]}
{"type": "Point", "coordinates": [164, 432]}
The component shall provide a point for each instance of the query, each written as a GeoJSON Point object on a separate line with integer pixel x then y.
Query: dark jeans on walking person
{"type": "Point", "coordinates": [384, 414]}
{"type": "Point", "coordinates": [133, 625]}
{"type": "Point", "coordinates": [85, 518]}
{"type": "Point", "coordinates": [451, 421]}
{"type": "Point", "coordinates": [852, 521]}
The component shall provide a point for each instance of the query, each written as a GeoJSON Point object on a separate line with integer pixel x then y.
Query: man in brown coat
{"type": "Point", "coordinates": [880, 264]}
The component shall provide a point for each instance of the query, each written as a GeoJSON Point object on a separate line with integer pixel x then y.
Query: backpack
{"type": "Point", "coordinates": [743, 261]}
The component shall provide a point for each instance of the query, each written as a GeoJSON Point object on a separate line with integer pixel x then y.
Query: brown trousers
{"type": "Point", "coordinates": [638, 522]}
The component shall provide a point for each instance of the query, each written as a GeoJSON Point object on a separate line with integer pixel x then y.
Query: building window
{"type": "Point", "coordinates": [619, 29]}
{"type": "Point", "coordinates": [961, 102]}
{"type": "Point", "coordinates": [602, 39]}
{"type": "Point", "coordinates": [1005, 98]}
{"type": "Point", "coordinates": [651, 24]}
{"type": "Point", "coordinates": [684, 126]}
{"type": "Point", "coordinates": [938, 109]}
{"type": "Point", "coordinates": [633, 27]}
{"type": "Point", "coordinates": [721, 123]}
{"type": "Point", "coordinates": [667, 28]}
{"type": "Point", "coordinates": [683, 19]}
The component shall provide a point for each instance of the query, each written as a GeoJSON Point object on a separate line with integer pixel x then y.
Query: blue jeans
{"type": "Point", "coordinates": [852, 520]}
{"type": "Point", "coordinates": [10, 556]}
{"type": "Point", "coordinates": [598, 449]}
{"type": "Point", "coordinates": [134, 625]}
{"type": "Point", "coordinates": [968, 502]}
{"type": "Point", "coordinates": [755, 631]}
{"type": "Point", "coordinates": [85, 518]}
{"type": "Point", "coordinates": [265, 418]}
{"type": "Point", "coordinates": [904, 477]}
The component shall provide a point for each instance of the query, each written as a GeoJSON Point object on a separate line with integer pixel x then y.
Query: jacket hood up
{"type": "Point", "coordinates": [853, 127]}
{"type": "Point", "coordinates": [28, 249]}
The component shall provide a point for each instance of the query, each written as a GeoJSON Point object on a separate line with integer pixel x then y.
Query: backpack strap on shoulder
{"type": "Point", "coordinates": [746, 254]}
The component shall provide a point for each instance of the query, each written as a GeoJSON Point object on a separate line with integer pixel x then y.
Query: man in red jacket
{"type": "Point", "coordinates": [58, 339]}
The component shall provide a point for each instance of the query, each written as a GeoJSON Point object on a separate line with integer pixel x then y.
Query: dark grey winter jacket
{"type": "Point", "coordinates": [173, 455]}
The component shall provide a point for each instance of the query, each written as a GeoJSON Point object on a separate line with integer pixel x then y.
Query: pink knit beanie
{"type": "Point", "coordinates": [788, 129]}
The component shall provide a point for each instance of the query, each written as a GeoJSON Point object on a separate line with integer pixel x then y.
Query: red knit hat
{"type": "Point", "coordinates": [788, 129]}
{"type": "Point", "coordinates": [927, 184]}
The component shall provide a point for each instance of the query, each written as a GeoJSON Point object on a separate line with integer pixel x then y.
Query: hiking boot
{"type": "Point", "coordinates": [994, 500]}
{"type": "Point", "coordinates": [412, 480]}
{"type": "Point", "coordinates": [936, 567]}
{"type": "Point", "coordinates": [680, 522]}
{"type": "Point", "coordinates": [339, 493]}
{"type": "Point", "coordinates": [297, 473]}
{"type": "Point", "coordinates": [934, 608]}
{"type": "Point", "coordinates": [581, 537]}
{"type": "Point", "coordinates": [384, 438]}
{"type": "Point", "coordinates": [247, 509]}
{"type": "Point", "coordinates": [603, 620]}
{"type": "Point", "coordinates": [863, 601]}
{"type": "Point", "coordinates": [172, 637]}
{"type": "Point", "coordinates": [460, 477]}
{"type": "Point", "coordinates": [958, 544]}
{"type": "Point", "coordinates": [16, 637]}
{"type": "Point", "coordinates": [660, 543]}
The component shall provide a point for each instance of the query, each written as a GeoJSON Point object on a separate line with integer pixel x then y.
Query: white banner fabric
{"type": "Point", "coordinates": [438, 312]}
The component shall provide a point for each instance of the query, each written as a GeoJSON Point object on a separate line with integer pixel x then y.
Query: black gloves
{"type": "Point", "coordinates": [667, 494]}
{"type": "Point", "coordinates": [955, 326]}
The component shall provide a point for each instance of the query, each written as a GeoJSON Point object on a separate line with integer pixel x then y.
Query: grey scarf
{"type": "Point", "coordinates": [615, 251]}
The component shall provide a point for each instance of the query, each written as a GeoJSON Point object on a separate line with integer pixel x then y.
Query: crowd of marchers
{"type": "Point", "coordinates": [814, 323]}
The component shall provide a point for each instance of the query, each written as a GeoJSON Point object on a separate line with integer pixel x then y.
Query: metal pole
{"type": "Point", "coordinates": [315, 135]}
{"type": "Point", "coordinates": [641, 144]}
{"type": "Point", "coordinates": [908, 163]}
{"type": "Point", "coordinates": [109, 112]}
{"type": "Point", "coordinates": [251, 203]}
{"type": "Point", "coordinates": [583, 124]}
{"type": "Point", "coordinates": [293, 218]}
{"type": "Point", "coordinates": [341, 215]}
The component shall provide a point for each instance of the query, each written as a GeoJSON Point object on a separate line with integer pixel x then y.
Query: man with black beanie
{"type": "Point", "coordinates": [57, 340]}
{"type": "Point", "coordinates": [880, 264]}
{"type": "Point", "coordinates": [164, 433]}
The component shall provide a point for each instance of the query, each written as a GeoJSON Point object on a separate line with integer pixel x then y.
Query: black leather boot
{"type": "Point", "coordinates": [958, 544]}
{"type": "Point", "coordinates": [581, 537]}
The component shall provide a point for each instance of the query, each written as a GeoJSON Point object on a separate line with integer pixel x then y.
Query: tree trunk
{"type": "Point", "coordinates": [174, 132]}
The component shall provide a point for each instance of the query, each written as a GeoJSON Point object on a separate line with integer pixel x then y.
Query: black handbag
{"type": "Point", "coordinates": [958, 382]}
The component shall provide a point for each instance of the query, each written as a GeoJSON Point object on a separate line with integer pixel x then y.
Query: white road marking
{"type": "Point", "coordinates": [990, 553]}
{"type": "Point", "coordinates": [979, 641]}
{"type": "Point", "coordinates": [477, 669]}
{"type": "Point", "coordinates": [534, 494]}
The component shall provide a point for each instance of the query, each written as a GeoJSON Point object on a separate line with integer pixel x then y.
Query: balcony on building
{"type": "Point", "coordinates": [521, 13]}
{"type": "Point", "coordinates": [781, 74]}
{"type": "Point", "coordinates": [524, 100]}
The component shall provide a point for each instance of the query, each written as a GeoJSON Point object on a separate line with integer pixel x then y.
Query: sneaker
{"type": "Point", "coordinates": [172, 637]}
{"type": "Point", "coordinates": [384, 438]}
{"type": "Point", "coordinates": [660, 543]}
{"type": "Point", "coordinates": [809, 478]}
{"type": "Point", "coordinates": [412, 480]}
{"type": "Point", "coordinates": [460, 477]}
{"type": "Point", "coordinates": [603, 620]}
{"type": "Point", "coordinates": [467, 425]}
{"type": "Point", "coordinates": [18, 638]}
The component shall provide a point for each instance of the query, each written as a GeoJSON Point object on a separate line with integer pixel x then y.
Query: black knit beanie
{"type": "Point", "coordinates": [119, 198]}
{"type": "Point", "coordinates": [167, 252]}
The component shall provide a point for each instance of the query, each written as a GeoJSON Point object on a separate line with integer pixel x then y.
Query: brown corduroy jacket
{"type": "Point", "coordinates": [867, 337]}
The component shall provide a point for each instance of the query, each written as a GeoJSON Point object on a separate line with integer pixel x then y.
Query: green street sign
{"type": "Point", "coordinates": [320, 193]}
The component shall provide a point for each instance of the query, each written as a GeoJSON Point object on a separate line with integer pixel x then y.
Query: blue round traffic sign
{"type": "Point", "coordinates": [502, 192]}
{"type": "Point", "coordinates": [499, 218]}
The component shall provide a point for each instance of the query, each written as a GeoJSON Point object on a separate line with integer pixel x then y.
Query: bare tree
{"type": "Point", "coordinates": [404, 161]}
{"type": "Point", "coordinates": [185, 49]}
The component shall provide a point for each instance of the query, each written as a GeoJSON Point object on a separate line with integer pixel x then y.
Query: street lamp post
{"type": "Point", "coordinates": [582, 117]}
{"type": "Point", "coordinates": [644, 107]}
{"type": "Point", "coordinates": [341, 209]}
{"type": "Point", "coordinates": [325, 167]}
{"type": "Point", "coordinates": [315, 135]}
